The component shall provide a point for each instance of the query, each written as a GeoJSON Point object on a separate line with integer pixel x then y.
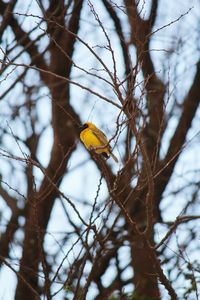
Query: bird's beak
{"type": "Point", "coordinates": [82, 127]}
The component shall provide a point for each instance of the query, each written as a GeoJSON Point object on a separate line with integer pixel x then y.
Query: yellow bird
{"type": "Point", "coordinates": [94, 139]}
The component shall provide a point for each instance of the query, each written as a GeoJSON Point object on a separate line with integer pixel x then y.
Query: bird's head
{"type": "Point", "coordinates": [87, 125]}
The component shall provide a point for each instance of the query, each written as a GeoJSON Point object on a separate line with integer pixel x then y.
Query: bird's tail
{"type": "Point", "coordinates": [114, 157]}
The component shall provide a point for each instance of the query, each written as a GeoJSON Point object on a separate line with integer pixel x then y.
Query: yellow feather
{"type": "Point", "coordinates": [92, 138]}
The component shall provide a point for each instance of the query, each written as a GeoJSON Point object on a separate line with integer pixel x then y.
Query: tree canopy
{"type": "Point", "coordinates": [75, 225]}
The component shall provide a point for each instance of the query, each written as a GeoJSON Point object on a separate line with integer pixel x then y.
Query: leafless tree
{"type": "Point", "coordinates": [74, 225]}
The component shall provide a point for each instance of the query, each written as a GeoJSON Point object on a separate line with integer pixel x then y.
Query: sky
{"type": "Point", "coordinates": [182, 34]}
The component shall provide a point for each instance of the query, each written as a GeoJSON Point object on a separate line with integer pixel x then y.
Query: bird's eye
{"type": "Point", "coordinates": [85, 125]}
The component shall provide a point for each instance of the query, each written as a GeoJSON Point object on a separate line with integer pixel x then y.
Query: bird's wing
{"type": "Point", "coordinates": [100, 135]}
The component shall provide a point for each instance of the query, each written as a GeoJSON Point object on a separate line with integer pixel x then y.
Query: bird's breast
{"type": "Point", "coordinates": [89, 139]}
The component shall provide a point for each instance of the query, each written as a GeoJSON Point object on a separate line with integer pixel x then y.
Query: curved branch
{"type": "Point", "coordinates": [190, 106]}
{"type": "Point", "coordinates": [120, 34]}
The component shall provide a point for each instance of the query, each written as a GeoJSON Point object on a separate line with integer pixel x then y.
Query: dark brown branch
{"type": "Point", "coordinates": [190, 106]}
{"type": "Point", "coordinates": [7, 13]}
{"type": "Point", "coordinates": [119, 31]}
{"type": "Point", "coordinates": [24, 39]}
{"type": "Point", "coordinates": [10, 201]}
{"type": "Point", "coordinates": [153, 13]}
{"type": "Point", "coordinates": [64, 138]}
{"type": "Point", "coordinates": [2, 259]}
{"type": "Point", "coordinates": [8, 235]}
